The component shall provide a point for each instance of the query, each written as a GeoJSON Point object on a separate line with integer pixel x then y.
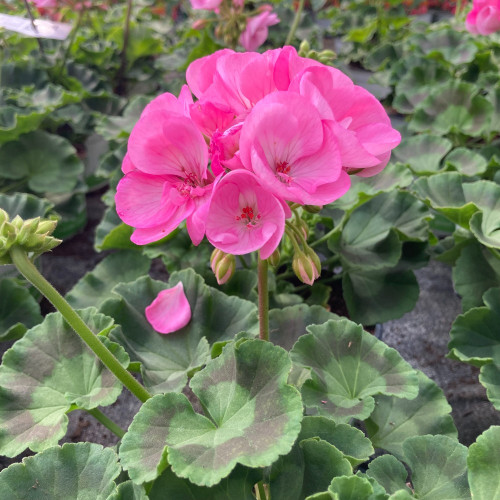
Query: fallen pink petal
{"type": "Point", "coordinates": [170, 311]}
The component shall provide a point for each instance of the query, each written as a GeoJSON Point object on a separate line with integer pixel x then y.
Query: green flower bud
{"type": "Point", "coordinates": [326, 56]}
{"type": "Point", "coordinates": [304, 48]}
{"type": "Point", "coordinates": [32, 235]}
{"type": "Point", "coordinates": [275, 258]}
{"type": "Point", "coordinates": [313, 209]}
{"type": "Point", "coordinates": [223, 265]}
{"type": "Point", "coordinates": [304, 268]}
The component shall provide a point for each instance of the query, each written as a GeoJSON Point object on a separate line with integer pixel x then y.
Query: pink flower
{"type": "Point", "coordinates": [167, 180]}
{"type": "Point", "coordinates": [284, 142]}
{"type": "Point", "coordinates": [170, 311]}
{"type": "Point", "coordinates": [205, 4]}
{"type": "Point", "coordinates": [256, 32]}
{"type": "Point", "coordinates": [244, 217]}
{"type": "Point", "coordinates": [484, 18]}
{"type": "Point", "coordinates": [355, 117]}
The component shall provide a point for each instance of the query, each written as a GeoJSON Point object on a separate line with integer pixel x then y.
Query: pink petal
{"type": "Point", "coordinates": [170, 311]}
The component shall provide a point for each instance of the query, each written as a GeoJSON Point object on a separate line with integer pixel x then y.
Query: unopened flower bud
{"type": "Point", "coordinates": [304, 48]}
{"type": "Point", "coordinates": [275, 258]}
{"type": "Point", "coordinates": [312, 209]}
{"type": "Point", "coordinates": [199, 24]}
{"type": "Point", "coordinates": [326, 56]}
{"type": "Point", "coordinates": [314, 259]}
{"type": "Point", "coordinates": [304, 268]}
{"type": "Point", "coordinates": [223, 265]}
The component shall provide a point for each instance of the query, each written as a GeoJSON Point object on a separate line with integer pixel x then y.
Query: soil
{"type": "Point", "coordinates": [421, 337]}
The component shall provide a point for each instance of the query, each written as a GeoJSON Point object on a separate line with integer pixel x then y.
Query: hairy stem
{"type": "Point", "coordinates": [263, 299]}
{"type": "Point", "coordinates": [30, 272]}
{"type": "Point", "coordinates": [107, 422]}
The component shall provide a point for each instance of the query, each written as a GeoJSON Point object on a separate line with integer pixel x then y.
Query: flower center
{"type": "Point", "coordinates": [283, 171]}
{"type": "Point", "coordinates": [249, 217]}
{"type": "Point", "coordinates": [187, 184]}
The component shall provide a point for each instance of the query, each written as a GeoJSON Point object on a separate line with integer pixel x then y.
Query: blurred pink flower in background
{"type": "Point", "coordinates": [256, 32]}
{"type": "Point", "coordinates": [205, 4]}
{"type": "Point", "coordinates": [484, 18]}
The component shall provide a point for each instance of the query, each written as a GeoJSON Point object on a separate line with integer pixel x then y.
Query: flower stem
{"type": "Point", "coordinates": [30, 272]}
{"type": "Point", "coordinates": [295, 24]}
{"type": "Point", "coordinates": [120, 77]}
{"type": "Point", "coordinates": [263, 299]}
{"type": "Point", "coordinates": [107, 422]}
{"type": "Point", "coordinates": [323, 238]}
{"type": "Point", "coordinates": [71, 42]}
{"type": "Point", "coordinates": [261, 491]}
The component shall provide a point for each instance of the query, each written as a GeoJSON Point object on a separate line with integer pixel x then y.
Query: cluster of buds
{"type": "Point", "coordinates": [223, 265]}
{"type": "Point", "coordinates": [32, 235]}
{"type": "Point", "coordinates": [325, 56]}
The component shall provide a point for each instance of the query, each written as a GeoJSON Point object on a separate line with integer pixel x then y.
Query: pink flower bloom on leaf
{"type": "Point", "coordinates": [170, 311]}
{"type": "Point", "coordinates": [296, 157]}
{"type": "Point", "coordinates": [256, 31]}
{"type": "Point", "coordinates": [244, 217]}
{"type": "Point", "coordinates": [484, 18]}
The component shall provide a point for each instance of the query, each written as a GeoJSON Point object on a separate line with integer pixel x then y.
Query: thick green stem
{"type": "Point", "coordinates": [261, 491]}
{"type": "Point", "coordinates": [295, 24]}
{"type": "Point", "coordinates": [120, 87]}
{"type": "Point", "coordinates": [30, 272]}
{"type": "Point", "coordinates": [263, 300]}
{"type": "Point", "coordinates": [107, 422]}
{"type": "Point", "coordinates": [323, 238]}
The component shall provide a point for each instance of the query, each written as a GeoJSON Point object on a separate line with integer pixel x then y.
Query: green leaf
{"type": "Point", "coordinates": [129, 491]}
{"type": "Point", "coordinates": [18, 310]}
{"type": "Point", "coordinates": [238, 485]}
{"type": "Point", "coordinates": [287, 325]}
{"type": "Point", "coordinates": [46, 372]}
{"type": "Point", "coordinates": [456, 47]}
{"type": "Point", "coordinates": [394, 419]}
{"type": "Point", "coordinates": [454, 106]}
{"type": "Point", "coordinates": [475, 336]}
{"type": "Point", "coordinates": [48, 162]}
{"type": "Point", "coordinates": [489, 377]}
{"type": "Point", "coordinates": [369, 241]}
{"type": "Point", "coordinates": [476, 271]}
{"type": "Point", "coordinates": [25, 205]}
{"type": "Point", "coordinates": [350, 488]}
{"type": "Point", "coordinates": [378, 296]}
{"type": "Point", "coordinates": [118, 127]}
{"type": "Point", "coordinates": [168, 359]}
{"type": "Point", "coordinates": [389, 472]}
{"type": "Point", "coordinates": [253, 417]}
{"type": "Point", "coordinates": [79, 471]}
{"type": "Point", "coordinates": [348, 367]}
{"type": "Point", "coordinates": [95, 287]}
{"type": "Point", "coordinates": [113, 233]}
{"type": "Point", "coordinates": [483, 464]}
{"type": "Point", "coordinates": [362, 188]}
{"type": "Point", "coordinates": [423, 153]}
{"type": "Point", "coordinates": [466, 162]}
{"type": "Point", "coordinates": [73, 212]}
{"type": "Point", "coordinates": [438, 466]}
{"type": "Point", "coordinates": [352, 442]}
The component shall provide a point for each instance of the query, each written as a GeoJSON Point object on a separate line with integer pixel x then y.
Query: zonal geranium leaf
{"type": "Point", "coordinates": [25, 205]}
{"type": "Point", "coordinates": [423, 152]}
{"type": "Point", "coordinates": [389, 472]}
{"type": "Point", "coordinates": [166, 360]}
{"type": "Point", "coordinates": [129, 491]}
{"type": "Point", "coordinates": [489, 377]}
{"type": "Point", "coordinates": [466, 162]}
{"type": "Point", "coordinates": [438, 467]}
{"type": "Point", "coordinates": [453, 106]}
{"type": "Point", "coordinates": [79, 471]}
{"type": "Point", "coordinates": [288, 324]}
{"type": "Point", "coordinates": [475, 335]}
{"type": "Point", "coordinates": [394, 420]}
{"type": "Point", "coordinates": [483, 464]}
{"type": "Point", "coordinates": [48, 162]}
{"type": "Point", "coordinates": [348, 367]}
{"type": "Point", "coordinates": [476, 271]}
{"type": "Point", "coordinates": [237, 486]}
{"type": "Point", "coordinates": [350, 488]}
{"type": "Point", "coordinates": [252, 417]}
{"type": "Point", "coordinates": [46, 372]}
{"type": "Point", "coordinates": [95, 287]}
{"type": "Point", "coordinates": [18, 310]}
{"type": "Point", "coordinates": [377, 296]}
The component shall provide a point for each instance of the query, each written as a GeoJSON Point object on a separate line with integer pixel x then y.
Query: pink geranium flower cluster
{"type": "Point", "coordinates": [265, 130]}
{"type": "Point", "coordinates": [484, 18]}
